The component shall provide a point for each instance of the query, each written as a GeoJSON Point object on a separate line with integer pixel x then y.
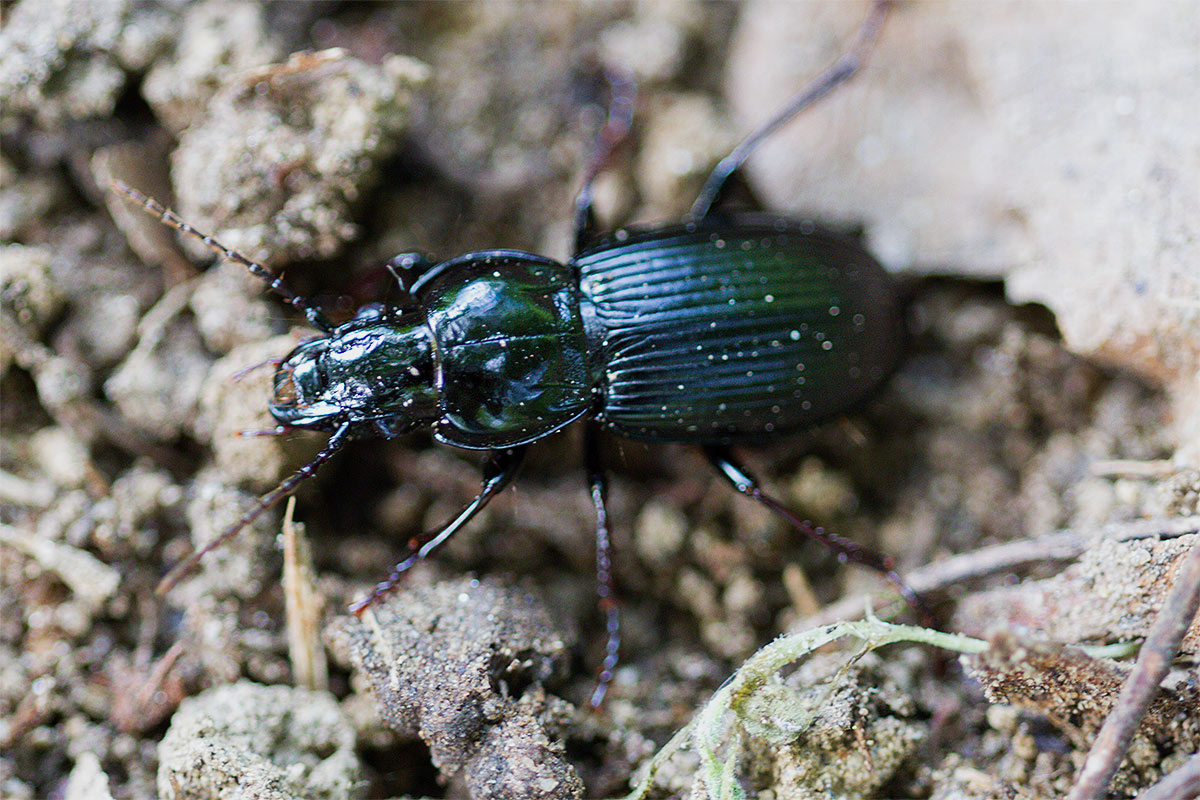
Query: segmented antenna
{"type": "Point", "coordinates": [274, 281]}
{"type": "Point", "coordinates": [285, 489]}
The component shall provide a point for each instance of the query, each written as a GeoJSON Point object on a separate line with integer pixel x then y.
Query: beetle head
{"type": "Point", "coordinates": [376, 372]}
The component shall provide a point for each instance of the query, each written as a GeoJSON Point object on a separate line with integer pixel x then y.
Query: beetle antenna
{"type": "Point", "coordinates": [285, 489]}
{"type": "Point", "coordinates": [840, 71]}
{"type": "Point", "coordinates": [274, 281]}
{"type": "Point", "coordinates": [278, 430]}
{"type": "Point", "coordinates": [244, 371]}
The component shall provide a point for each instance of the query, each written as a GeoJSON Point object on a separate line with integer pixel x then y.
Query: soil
{"type": "Point", "coordinates": [445, 128]}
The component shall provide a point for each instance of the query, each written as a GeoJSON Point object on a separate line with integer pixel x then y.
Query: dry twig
{"type": "Point", "coordinates": [1182, 784]}
{"type": "Point", "coordinates": [304, 607]}
{"type": "Point", "coordinates": [1153, 661]}
{"type": "Point", "coordinates": [1063, 545]}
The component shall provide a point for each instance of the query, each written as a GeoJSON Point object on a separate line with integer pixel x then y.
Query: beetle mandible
{"type": "Point", "coordinates": [724, 329]}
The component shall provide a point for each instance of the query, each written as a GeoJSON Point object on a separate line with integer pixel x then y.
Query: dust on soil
{"type": "Point", "coordinates": [119, 408]}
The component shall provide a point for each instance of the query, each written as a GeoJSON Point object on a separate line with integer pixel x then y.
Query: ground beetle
{"type": "Point", "coordinates": [724, 329]}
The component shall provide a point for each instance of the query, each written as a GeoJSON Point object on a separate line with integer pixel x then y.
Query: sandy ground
{"type": "Point", "coordinates": [1033, 203]}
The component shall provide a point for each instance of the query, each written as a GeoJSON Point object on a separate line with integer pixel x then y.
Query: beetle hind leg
{"type": "Point", "coordinates": [840, 71]}
{"type": "Point", "coordinates": [847, 550]}
{"type": "Point", "coordinates": [617, 124]}
{"type": "Point", "coordinates": [498, 473]}
{"type": "Point", "coordinates": [605, 591]}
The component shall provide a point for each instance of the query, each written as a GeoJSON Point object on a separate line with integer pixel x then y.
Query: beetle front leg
{"type": "Point", "coordinates": [498, 473]}
{"type": "Point", "coordinates": [598, 483]}
{"type": "Point", "coordinates": [728, 468]}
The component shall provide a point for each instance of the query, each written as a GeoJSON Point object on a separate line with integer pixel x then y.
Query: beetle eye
{"type": "Point", "coordinates": [285, 387]}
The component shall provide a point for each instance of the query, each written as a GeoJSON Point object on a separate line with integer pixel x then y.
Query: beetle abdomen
{"type": "Point", "coordinates": [736, 329]}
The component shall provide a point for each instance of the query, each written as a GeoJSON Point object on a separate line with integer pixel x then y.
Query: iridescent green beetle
{"type": "Point", "coordinates": [725, 329]}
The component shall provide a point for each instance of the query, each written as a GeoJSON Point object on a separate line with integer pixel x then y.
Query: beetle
{"type": "Point", "coordinates": [725, 329]}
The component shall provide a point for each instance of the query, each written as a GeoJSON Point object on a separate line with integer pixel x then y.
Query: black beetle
{"type": "Point", "coordinates": [724, 329]}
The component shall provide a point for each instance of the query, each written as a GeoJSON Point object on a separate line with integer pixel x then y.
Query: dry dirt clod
{"type": "Point", "coordinates": [855, 735]}
{"type": "Point", "coordinates": [268, 742]}
{"type": "Point", "coordinates": [463, 665]}
{"type": "Point", "coordinates": [285, 152]}
{"type": "Point", "coordinates": [1112, 594]}
{"type": "Point", "coordinates": [1076, 692]}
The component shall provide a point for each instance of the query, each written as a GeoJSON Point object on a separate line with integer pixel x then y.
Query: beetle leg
{"type": "Point", "coordinates": [847, 550]}
{"type": "Point", "coordinates": [498, 473]}
{"type": "Point", "coordinates": [847, 64]}
{"type": "Point", "coordinates": [619, 119]}
{"type": "Point", "coordinates": [407, 267]}
{"type": "Point", "coordinates": [609, 606]}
